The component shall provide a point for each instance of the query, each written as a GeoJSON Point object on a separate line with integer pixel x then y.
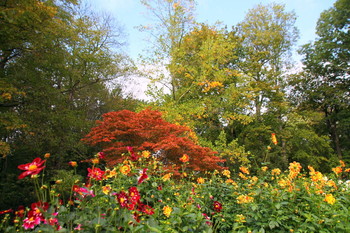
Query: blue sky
{"type": "Point", "coordinates": [131, 13]}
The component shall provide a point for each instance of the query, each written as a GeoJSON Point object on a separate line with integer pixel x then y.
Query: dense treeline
{"type": "Point", "coordinates": [233, 87]}
{"type": "Point", "coordinates": [56, 61]}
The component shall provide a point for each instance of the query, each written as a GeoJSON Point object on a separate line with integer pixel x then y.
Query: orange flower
{"type": "Point", "coordinates": [47, 155]}
{"type": "Point", "coordinates": [276, 171]}
{"type": "Point", "coordinates": [146, 154]}
{"type": "Point", "coordinates": [264, 169]}
{"type": "Point", "coordinates": [342, 164]}
{"type": "Point", "coordinates": [316, 176]}
{"type": "Point", "coordinates": [273, 138]}
{"type": "Point", "coordinates": [73, 163]}
{"type": "Point", "coordinates": [200, 180]}
{"type": "Point", "coordinates": [242, 176]}
{"type": "Point", "coordinates": [331, 183]}
{"type": "Point", "coordinates": [106, 189]}
{"type": "Point", "coordinates": [337, 170]}
{"type": "Point", "coordinates": [312, 170]}
{"type": "Point", "coordinates": [295, 167]}
{"type": "Point", "coordinates": [185, 158]}
{"type": "Point", "coordinates": [125, 169]}
{"type": "Point", "coordinates": [166, 177]}
{"type": "Point", "coordinates": [110, 173]}
{"type": "Point", "coordinates": [230, 181]}
{"type": "Point", "coordinates": [95, 160]}
{"type": "Point", "coordinates": [244, 170]}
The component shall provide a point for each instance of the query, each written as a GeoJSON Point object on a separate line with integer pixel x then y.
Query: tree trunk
{"type": "Point", "coordinates": [332, 127]}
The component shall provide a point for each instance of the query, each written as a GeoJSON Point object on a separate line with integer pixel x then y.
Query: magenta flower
{"type": "Point", "coordinates": [31, 221]}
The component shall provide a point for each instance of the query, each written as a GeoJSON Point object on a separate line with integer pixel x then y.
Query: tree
{"type": "Point", "coordinates": [268, 34]}
{"type": "Point", "coordinates": [172, 20]}
{"type": "Point", "coordinates": [147, 130]}
{"type": "Point", "coordinates": [324, 84]}
{"type": "Point", "coordinates": [56, 60]}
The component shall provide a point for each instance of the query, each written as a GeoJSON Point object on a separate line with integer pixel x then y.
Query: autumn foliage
{"type": "Point", "coordinates": [147, 130]}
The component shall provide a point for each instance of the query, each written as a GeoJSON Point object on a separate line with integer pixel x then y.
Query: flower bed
{"type": "Point", "coordinates": [139, 195]}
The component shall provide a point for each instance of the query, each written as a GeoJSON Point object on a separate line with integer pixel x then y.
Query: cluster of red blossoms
{"type": "Point", "coordinates": [131, 201]}
{"type": "Point", "coordinates": [35, 216]}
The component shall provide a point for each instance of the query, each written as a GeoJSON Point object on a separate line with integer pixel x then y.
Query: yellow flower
{"type": "Point", "coordinates": [242, 176]}
{"type": "Point", "coordinates": [167, 176]}
{"type": "Point", "coordinates": [283, 183]}
{"type": "Point", "coordinates": [295, 167]}
{"type": "Point", "coordinates": [264, 169]}
{"type": "Point", "coordinates": [276, 171]}
{"type": "Point", "coordinates": [167, 210]}
{"type": "Point", "coordinates": [254, 179]}
{"type": "Point", "coordinates": [106, 189]}
{"type": "Point", "coordinates": [230, 181]}
{"type": "Point", "coordinates": [316, 177]}
{"type": "Point", "coordinates": [146, 154]}
{"type": "Point", "coordinates": [240, 218]}
{"type": "Point", "coordinates": [331, 183]}
{"type": "Point", "coordinates": [110, 174]}
{"type": "Point", "coordinates": [125, 169]}
{"type": "Point", "coordinates": [329, 199]}
{"type": "Point", "coordinates": [244, 170]}
{"type": "Point", "coordinates": [200, 180]}
{"type": "Point", "coordinates": [226, 173]}
{"type": "Point", "coordinates": [273, 138]}
{"type": "Point", "coordinates": [242, 199]}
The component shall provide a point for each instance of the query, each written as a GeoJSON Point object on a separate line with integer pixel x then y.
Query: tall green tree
{"type": "Point", "coordinates": [324, 85]}
{"type": "Point", "coordinates": [172, 19]}
{"type": "Point", "coordinates": [268, 35]}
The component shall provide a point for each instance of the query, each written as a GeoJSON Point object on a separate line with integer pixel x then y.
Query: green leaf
{"type": "Point", "coordinates": [153, 229]}
{"type": "Point", "coordinates": [273, 224]}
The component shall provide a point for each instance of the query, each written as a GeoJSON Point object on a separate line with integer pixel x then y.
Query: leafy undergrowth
{"type": "Point", "coordinates": [139, 195]}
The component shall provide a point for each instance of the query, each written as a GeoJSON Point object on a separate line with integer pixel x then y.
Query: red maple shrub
{"type": "Point", "coordinates": [147, 130]}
